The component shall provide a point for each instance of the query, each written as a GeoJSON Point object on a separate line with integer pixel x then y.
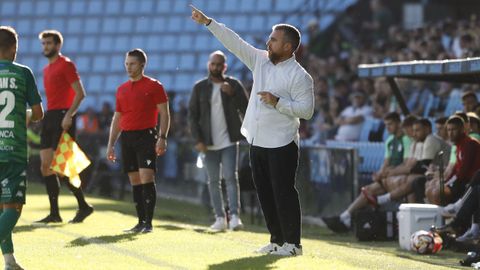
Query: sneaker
{"type": "Point", "coordinates": [371, 199]}
{"type": "Point", "coordinates": [13, 266]}
{"type": "Point", "coordinates": [449, 211]}
{"type": "Point", "coordinates": [50, 219]}
{"type": "Point", "coordinates": [82, 214]}
{"type": "Point", "coordinates": [469, 236]}
{"type": "Point", "coordinates": [136, 229]}
{"type": "Point", "coordinates": [220, 224]}
{"type": "Point", "coordinates": [268, 248]}
{"type": "Point", "coordinates": [335, 224]}
{"type": "Point", "coordinates": [235, 223]}
{"type": "Point", "coordinates": [288, 250]}
{"type": "Point", "coordinates": [472, 257]}
{"type": "Point", "coordinates": [147, 228]}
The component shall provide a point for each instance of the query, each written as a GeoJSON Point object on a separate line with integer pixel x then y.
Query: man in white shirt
{"type": "Point", "coordinates": [351, 119]}
{"type": "Point", "coordinates": [282, 93]}
{"type": "Point", "coordinates": [215, 114]}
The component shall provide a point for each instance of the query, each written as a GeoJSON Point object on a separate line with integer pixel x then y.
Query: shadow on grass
{"type": "Point", "coordinates": [105, 239]}
{"type": "Point", "coordinates": [35, 226]}
{"type": "Point", "coordinates": [257, 262]}
{"type": "Point", "coordinates": [170, 227]}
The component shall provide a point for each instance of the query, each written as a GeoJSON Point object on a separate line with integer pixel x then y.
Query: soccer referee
{"type": "Point", "coordinates": [139, 101]}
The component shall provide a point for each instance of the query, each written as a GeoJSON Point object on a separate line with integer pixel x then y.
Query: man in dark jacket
{"type": "Point", "coordinates": [216, 110]}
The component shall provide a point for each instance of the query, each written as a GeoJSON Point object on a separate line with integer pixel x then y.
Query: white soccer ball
{"type": "Point", "coordinates": [424, 242]}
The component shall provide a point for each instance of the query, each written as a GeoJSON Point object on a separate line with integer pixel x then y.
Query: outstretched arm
{"type": "Point", "coordinates": [243, 50]}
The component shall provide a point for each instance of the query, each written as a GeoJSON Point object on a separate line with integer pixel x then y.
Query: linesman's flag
{"type": "Point", "coordinates": [69, 160]}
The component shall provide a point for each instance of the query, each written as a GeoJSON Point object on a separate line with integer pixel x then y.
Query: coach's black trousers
{"type": "Point", "coordinates": [274, 171]}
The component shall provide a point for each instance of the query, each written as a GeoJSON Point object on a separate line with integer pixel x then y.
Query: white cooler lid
{"type": "Point", "coordinates": [418, 206]}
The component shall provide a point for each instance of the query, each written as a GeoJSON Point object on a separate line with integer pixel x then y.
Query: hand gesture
{"type": "Point", "coordinates": [227, 88]}
{"type": "Point", "coordinates": [111, 154]}
{"type": "Point", "coordinates": [268, 98]}
{"type": "Point", "coordinates": [67, 122]}
{"type": "Point", "coordinates": [198, 16]}
{"type": "Point", "coordinates": [201, 147]}
{"type": "Point", "coordinates": [161, 147]}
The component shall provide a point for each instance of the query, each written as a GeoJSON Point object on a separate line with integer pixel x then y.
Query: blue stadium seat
{"type": "Point", "coordinates": [100, 63]}
{"type": "Point", "coordinates": [146, 6]}
{"type": "Point", "coordinates": [40, 25]}
{"type": "Point", "coordinates": [187, 62]}
{"type": "Point", "coordinates": [42, 8]}
{"type": "Point", "coordinates": [164, 7]}
{"type": "Point", "coordinates": [95, 7]}
{"type": "Point", "coordinates": [29, 61]}
{"type": "Point", "coordinates": [117, 63]}
{"type": "Point", "coordinates": [247, 6]}
{"type": "Point", "coordinates": [71, 45]}
{"type": "Point", "coordinates": [138, 41]}
{"type": "Point", "coordinates": [122, 44]}
{"type": "Point", "coordinates": [75, 25]}
{"type": "Point", "coordinates": [24, 26]}
{"type": "Point", "coordinates": [109, 25]}
{"type": "Point", "coordinates": [113, 7]}
{"type": "Point", "coordinates": [184, 81]}
{"type": "Point", "coordinates": [264, 5]}
{"type": "Point", "coordinates": [232, 6]}
{"type": "Point", "coordinates": [83, 64]}
{"type": "Point", "coordinates": [131, 7]}
{"type": "Point", "coordinates": [154, 62]}
{"type": "Point", "coordinates": [112, 83]}
{"type": "Point", "coordinates": [60, 7]}
{"type": "Point", "coordinates": [94, 83]}
{"type": "Point", "coordinates": [89, 101]}
{"type": "Point", "coordinates": [274, 19]}
{"type": "Point", "coordinates": [158, 25]}
{"type": "Point", "coordinates": [125, 25]}
{"type": "Point", "coordinates": [58, 24]}
{"type": "Point", "coordinates": [142, 25]}
{"type": "Point", "coordinates": [7, 8]}
{"type": "Point", "coordinates": [166, 80]}
{"type": "Point", "coordinates": [89, 44]}
{"type": "Point", "coordinates": [175, 24]}
{"type": "Point", "coordinates": [215, 5]}
{"type": "Point", "coordinates": [92, 25]}
{"type": "Point", "coordinates": [454, 103]}
{"type": "Point", "coordinates": [105, 44]}
{"type": "Point", "coordinates": [26, 8]}
{"type": "Point", "coordinates": [78, 7]}
{"type": "Point", "coordinates": [153, 43]}
{"type": "Point", "coordinates": [170, 62]}
{"type": "Point", "coordinates": [257, 23]}
{"type": "Point", "coordinates": [185, 42]}
{"type": "Point", "coordinates": [241, 23]}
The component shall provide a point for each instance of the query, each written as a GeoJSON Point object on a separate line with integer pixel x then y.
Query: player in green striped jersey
{"type": "Point", "coordinates": [17, 89]}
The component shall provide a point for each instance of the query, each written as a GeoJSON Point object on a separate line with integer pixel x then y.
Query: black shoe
{"type": "Point", "coordinates": [50, 219]}
{"type": "Point", "coordinates": [472, 257]}
{"type": "Point", "coordinates": [335, 224]}
{"type": "Point", "coordinates": [82, 214]}
{"type": "Point", "coordinates": [147, 228]}
{"type": "Point", "coordinates": [448, 229]}
{"type": "Point", "coordinates": [137, 228]}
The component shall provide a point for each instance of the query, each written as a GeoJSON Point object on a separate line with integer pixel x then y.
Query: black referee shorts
{"type": "Point", "coordinates": [138, 149]}
{"type": "Point", "coordinates": [52, 129]}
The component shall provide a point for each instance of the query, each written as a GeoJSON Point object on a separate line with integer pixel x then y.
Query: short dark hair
{"type": "Point", "coordinates": [462, 115]}
{"type": "Point", "coordinates": [8, 38]}
{"type": "Point", "coordinates": [409, 120]}
{"type": "Point", "coordinates": [456, 120]}
{"type": "Point", "coordinates": [469, 94]}
{"type": "Point", "coordinates": [441, 120]}
{"type": "Point", "coordinates": [424, 122]}
{"type": "Point", "coordinates": [55, 34]}
{"type": "Point", "coordinates": [393, 116]}
{"type": "Point", "coordinates": [139, 54]}
{"type": "Point", "coordinates": [291, 34]}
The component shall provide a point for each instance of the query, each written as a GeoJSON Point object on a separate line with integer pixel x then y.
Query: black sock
{"type": "Point", "coordinates": [139, 204]}
{"type": "Point", "coordinates": [150, 199]}
{"type": "Point", "coordinates": [78, 193]}
{"type": "Point", "coordinates": [53, 189]}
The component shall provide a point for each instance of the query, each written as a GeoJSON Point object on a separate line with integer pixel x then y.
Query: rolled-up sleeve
{"type": "Point", "coordinates": [302, 103]}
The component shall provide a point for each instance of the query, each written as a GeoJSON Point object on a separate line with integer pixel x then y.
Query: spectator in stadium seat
{"type": "Point", "coordinates": [474, 124]}
{"type": "Point", "coordinates": [469, 101]}
{"type": "Point", "coordinates": [64, 92]}
{"type": "Point", "coordinates": [105, 117]}
{"type": "Point", "coordinates": [20, 90]}
{"type": "Point", "coordinates": [140, 102]}
{"type": "Point", "coordinates": [282, 94]}
{"type": "Point", "coordinates": [440, 126]}
{"type": "Point", "coordinates": [351, 118]}
{"type": "Point", "coordinates": [216, 110]}
{"type": "Point", "coordinates": [397, 150]}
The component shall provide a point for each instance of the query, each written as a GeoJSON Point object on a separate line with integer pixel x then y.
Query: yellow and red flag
{"type": "Point", "coordinates": [69, 160]}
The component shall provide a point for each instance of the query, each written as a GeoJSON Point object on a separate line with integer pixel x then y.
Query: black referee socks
{"type": "Point", "coordinates": [53, 189]}
{"type": "Point", "coordinates": [150, 199]}
{"type": "Point", "coordinates": [139, 202]}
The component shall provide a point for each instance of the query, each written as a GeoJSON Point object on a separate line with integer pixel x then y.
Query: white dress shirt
{"type": "Point", "coordinates": [264, 125]}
